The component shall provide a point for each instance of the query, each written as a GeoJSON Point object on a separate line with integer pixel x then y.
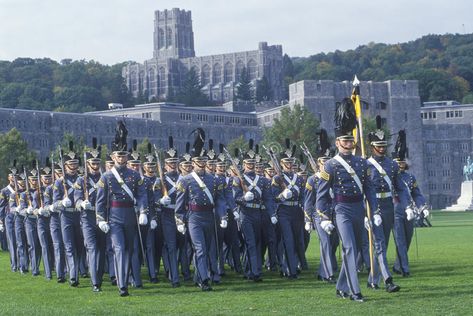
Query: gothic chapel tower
{"type": "Point", "coordinates": [173, 35]}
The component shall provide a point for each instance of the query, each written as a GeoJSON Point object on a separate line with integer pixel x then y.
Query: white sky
{"type": "Point", "coordinates": [113, 31]}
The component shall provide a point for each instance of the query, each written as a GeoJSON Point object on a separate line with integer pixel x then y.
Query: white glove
{"type": "Point", "coordinates": [165, 200]}
{"type": "Point", "coordinates": [86, 205]}
{"type": "Point", "coordinates": [308, 226]}
{"type": "Point", "coordinates": [410, 213]}
{"type": "Point", "coordinates": [13, 209]}
{"type": "Point", "coordinates": [327, 226]}
{"type": "Point", "coordinates": [104, 226]}
{"type": "Point", "coordinates": [249, 196]}
{"type": "Point", "coordinates": [274, 220]}
{"type": "Point", "coordinates": [223, 223]}
{"type": "Point", "coordinates": [367, 224]}
{"type": "Point", "coordinates": [43, 211]}
{"type": "Point", "coordinates": [153, 224]}
{"type": "Point", "coordinates": [30, 210]}
{"type": "Point", "coordinates": [236, 215]}
{"type": "Point", "coordinates": [286, 194]}
{"type": "Point", "coordinates": [50, 208]}
{"type": "Point", "coordinates": [377, 219]}
{"type": "Point", "coordinates": [2, 228]}
{"type": "Point", "coordinates": [22, 212]}
{"type": "Point", "coordinates": [426, 212]}
{"type": "Point", "coordinates": [181, 228]}
{"type": "Point", "coordinates": [66, 202]}
{"type": "Point", "coordinates": [143, 219]}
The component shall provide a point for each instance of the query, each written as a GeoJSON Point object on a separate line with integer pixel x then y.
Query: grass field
{"type": "Point", "coordinates": [441, 284]}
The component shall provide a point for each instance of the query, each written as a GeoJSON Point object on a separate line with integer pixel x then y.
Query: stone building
{"type": "Point", "coordinates": [174, 55]}
{"type": "Point", "coordinates": [447, 140]}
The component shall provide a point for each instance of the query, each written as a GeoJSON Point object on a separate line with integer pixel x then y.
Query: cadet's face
{"type": "Point", "coordinates": [345, 146]}
{"type": "Point", "coordinates": [46, 181]}
{"type": "Point", "coordinates": [33, 182]}
{"type": "Point", "coordinates": [211, 167]}
{"type": "Point", "coordinates": [186, 168]}
{"type": "Point", "coordinates": [94, 167]}
{"type": "Point", "coordinates": [287, 166]}
{"type": "Point", "coordinates": [150, 169]}
{"type": "Point", "coordinates": [171, 166]}
{"type": "Point", "coordinates": [249, 166]}
{"type": "Point", "coordinates": [109, 165]}
{"type": "Point", "coordinates": [379, 150]}
{"type": "Point", "coordinates": [72, 168]}
{"type": "Point", "coordinates": [120, 160]}
{"type": "Point", "coordinates": [402, 165]}
{"type": "Point", "coordinates": [199, 166]}
{"type": "Point", "coordinates": [270, 173]}
{"type": "Point", "coordinates": [259, 169]}
{"type": "Point", "coordinates": [135, 166]}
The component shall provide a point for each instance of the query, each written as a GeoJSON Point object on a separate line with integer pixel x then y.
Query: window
{"type": "Point", "coordinates": [228, 72]}
{"type": "Point", "coordinates": [202, 117]}
{"type": "Point", "coordinates": [458, 113]}
{"type": "Point", "coordinates": [431, 173]}
{"type": "Point", "coordinates": [219, 119]}
{"type": "Point", "coordinates": [205, 77]}
{"type": "Point", "coordinates": [217, 74]}
{"type": "Point", "coordinates": [365, 105]}
{"type": "Point", "coordinates": [381, 106]}
{"type": "Point", "coordinates": [432, 186]}
{"type": "Point", "coordinates": [234, 120]}
{"type": "Point", "coordinates": [146, 115]}
{"type": "Point", "coordinates": [185, 116]}
{"type": "Point", "coordinates": [446, 172]}
{"type": "Point", "coordinates": [405, 116]}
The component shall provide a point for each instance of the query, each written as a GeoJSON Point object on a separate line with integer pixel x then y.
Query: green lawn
{"type": "Point", "coordinates": [441, 284]}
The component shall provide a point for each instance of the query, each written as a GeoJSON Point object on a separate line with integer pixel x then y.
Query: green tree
{"type": "Point", "coordinates": [263, 90]}
{"type": "Point", "coordinates": [296, 123]}
{"type": "Point", "coordinates": [244, 90]}
{"type": "Point", "coordinates": [241, 143]}
{"type": "Point", "coordinates": [13, 147]}
{"type": "Point", "coordinates": [190, 93]}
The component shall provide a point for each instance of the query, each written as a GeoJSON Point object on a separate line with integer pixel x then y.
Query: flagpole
{"type": "Point", "coordinates": [356, 101]}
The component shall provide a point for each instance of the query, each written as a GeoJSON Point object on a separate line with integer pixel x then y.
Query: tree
{"type": "Point", "coordinates": [298, 124]}
{"type": "Point", "coordinates": [190, 93]}
{"type": "Point", "coordinates": [263, 90]}
{"type": "Point", "coordinates": [241, 143]}
{"type": "Point", "coordinates": [244, 89]}
{"type": "Point", "coordinates": [13, 147]}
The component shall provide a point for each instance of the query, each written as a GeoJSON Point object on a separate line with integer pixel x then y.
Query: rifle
{"type": "Point", "coordinates": [86, 178]}
{"type": "Point", "coordinates": [276, 165]}
{"type": "Point", "coordinates": [17, 196]}
{"type": "Point", "coordinates": [237, 171]}
{"type": "Point", "coordinates": [27, 186]}
{"type": "Point", "coordinates": [61, 164]}
{"type": "Point", "coordinates": [40, 198]}
{"type": "Point", "coordinates": [309, 156]}
{"type": "Point", "coordinates": [164, 189]}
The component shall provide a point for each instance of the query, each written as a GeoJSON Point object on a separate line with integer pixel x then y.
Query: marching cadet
{"type": "Point", "coordinates": [185, 251]}
{"type": "Point", "coordinates": [230, 234]}
{"type": "Point", "coordinates": [384, 174]}
{"type": "Point", "coordinates": [288, 192]}
{"type": "Point", "coordinates": [347, 176]}
{"type": "Point", "coordinates": [250, 192]}
{"type": "Point", "coordinates": [268, 233]}
{"type": "Point", "coordinates": [18, 205]}
{"type": "Point", "coordinates": [217, 262]}
{"type": "Point", "coordinates": [55, 227]}
{"type": "Point", "coordinates": [110, 262]}
{"type": "Point", "coordinates": [7, 218]}
{"type": "Point", "coordinates": [328, 241]}
{"type": "Point", "coordinates": [154, 217]}
{"type": "Point", "coordinates": [118, 191]}
{"type": "Point", "coordinates": [31, 221]}
{"type": "Point", "coordinates": [404, 217]}
{"type": "Point", "coordinates": [165, 196]}
{"type": "Point", "coordinates": [44, 220]}
{"type": "Point", "coordinates": [141, 243]}
{"type": "Point", "coordinates": [63, 198]}
{"type": "Point", "coordinates": [85, 194]}
{"type": "Point", "coordinates": [198, 194]}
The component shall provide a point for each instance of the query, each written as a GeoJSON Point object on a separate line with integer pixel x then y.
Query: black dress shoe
{"type": "Point", "coordinates": [391, 287]}
{"type": "Point", "coordinates": [357, 298]}
{"type": "Point", "coordinates": [74, 283]}
{"type": "Point", "coordinates": [258, 278]}
{"type": "Point", "coordinates": [96, 289]}
{"type": "Point", "coordinates": [123, 292]}
{"type": "Point", "coordinates": [397, 271]}
{"type": "Point", "coordinates": [154, 280]}
{"type": "Point", "coordinates": [341, 294]}
{"type": "Point", "coordinates": [205, 287]}
{"type": "Point", "coordinates": [84, 275]}
{"type": "Point", "coordinates": [330, 279]}
{"type": "Point", "coordinates": [293, 277]}
{"type": "Point", "coordinates": [140, 286]}
{"type": "Point", "coordinates": [61, 280]}
{"type": "Point", "coordinates": [176, 284]}
{"type": "Point", "coordinates": [406, 274]}
{"type": "Point", "coordinates": [114, 281]}
{"type": "Point", "coordinates": [372, 286]}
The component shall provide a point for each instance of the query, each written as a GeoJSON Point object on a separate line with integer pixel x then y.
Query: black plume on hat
{"type": "Point", "coordinates": [378, 138]}
{"type": "Point", "coordinates": [134, 155]}
{"type": "Point", "coordinates": [186, 157]}
{"type": "Point", "coordinates": [199, 141]}
{"type": "Point", "coordinates": [13, 169]}
{"type": "Point", "coordinates": [324, 144]}
{"type": "Point", "coordinates": [171, 153]}
{"type": "Point", "coordinates": [221, 156]}
{"type": "Point", "coordinates": [345, 118]}
{"type": "Point", "coordinates": [400, 149]}
{"type": "Point", "coordinates": [46, 170]}
{"type": "Point", "coordinates": [250, 154]}
{"type": "Point", "coordinates": [289, 152]}
{"type": "Point", "coordinates": [211, 152]}
{"type": "Point", "coordinates": [71, 155]}
{"type": "Point", "coordinates": [121, 133]}
{"type": "Point", "coordinates": [94, 153]}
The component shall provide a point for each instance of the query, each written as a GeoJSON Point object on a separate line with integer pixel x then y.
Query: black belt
{"type": "Point", "coordinates": [348, 198]}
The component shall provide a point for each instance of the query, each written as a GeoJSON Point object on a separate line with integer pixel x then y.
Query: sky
{"type": "Point", "coordinates": [114, 31]}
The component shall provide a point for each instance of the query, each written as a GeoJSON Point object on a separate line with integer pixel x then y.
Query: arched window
{"type": "Point", "coordinates": [161, 38]}
{"type": "Point", "coordinates": [239, 67]}
{"type": "Point", "coordinates": [228, 72]}
{"type": "Point", "coordinates": [252, 69]}
{"type": "Point", "coordinates": [205, 77]}
{"type": "Point", "coordinates": [152, 82]}
{"type": "Point", "coordinates": [217, 74]}
{"type": "Point", "coordinates": [161, 81]}
{"type": "Point", "coordinates": [168, 37]}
